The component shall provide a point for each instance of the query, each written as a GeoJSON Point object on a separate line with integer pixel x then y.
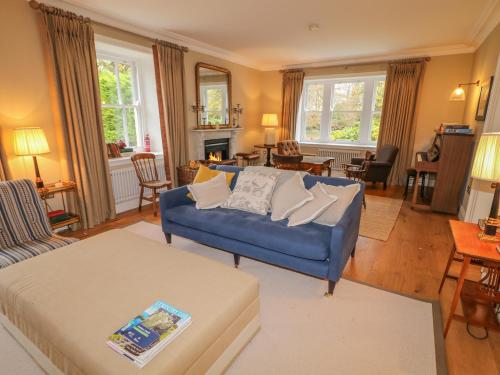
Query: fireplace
{"type": "Point", "coordinates": [217, 149]}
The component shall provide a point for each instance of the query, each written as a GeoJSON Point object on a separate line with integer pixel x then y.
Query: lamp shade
{"type": "Point", "coordinates": [487, 160]}
{"type": "Point", "coordinates": [30, 141]}
{"type": "Point", "coordinates": [270, 119]}
{"type": "Point", "coordinates": [458, 95]}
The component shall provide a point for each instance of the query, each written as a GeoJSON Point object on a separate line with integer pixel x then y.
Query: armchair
{"type": "Point", "coordinates": [377, 168]}
{"type": "Point", "coordinates": [290, 148]}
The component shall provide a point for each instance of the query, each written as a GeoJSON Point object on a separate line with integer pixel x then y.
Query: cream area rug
{"type": "Point", "coordinates": [360, 330]}
{"type": "Point", "coordinates": [379, 217]}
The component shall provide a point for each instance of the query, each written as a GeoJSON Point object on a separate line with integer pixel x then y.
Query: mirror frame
{"type": "Point", "coordinates": [229, 92]}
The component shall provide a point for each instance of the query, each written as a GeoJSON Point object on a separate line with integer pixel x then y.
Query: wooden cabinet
{"type": "Point", "coordinates": [454, 161]}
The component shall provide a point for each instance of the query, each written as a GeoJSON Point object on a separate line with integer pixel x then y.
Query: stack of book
{"type": "Point", "coordinates": [456, 129]}
{"type": "Point", "coordinates": [146, 335]}
{"type": "Point", "coordinates": [58, 216]}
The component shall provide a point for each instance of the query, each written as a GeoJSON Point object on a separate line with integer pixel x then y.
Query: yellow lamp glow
{"type": "Point", "coordinates": [458, 95]}
{"type": "Point", "coordinates": [31, 142]}
{"type": "Point", "coordinates": [487, 167]}
{"type": "Point", "coordinates": [269, 121]}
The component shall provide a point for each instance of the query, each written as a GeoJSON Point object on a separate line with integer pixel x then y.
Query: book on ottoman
{"type": "Point", "coordinates": [147, 334]}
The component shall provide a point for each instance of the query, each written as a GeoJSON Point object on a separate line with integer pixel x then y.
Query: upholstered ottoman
{"type": "Point", "coordinates": [63, 305]}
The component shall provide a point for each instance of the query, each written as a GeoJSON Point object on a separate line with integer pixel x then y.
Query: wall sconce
{"type": "Point", "coordinates": [238, 110]}
{"type": "Point", "coordinates": [458, 95]}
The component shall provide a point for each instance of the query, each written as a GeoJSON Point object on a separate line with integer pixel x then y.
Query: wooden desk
{"type": "Point", "coordinates": [318, 164]}
{"type": "Point", "coordinates": [467, 244]}
{"type": "Point", "coordinates": [268, 148]}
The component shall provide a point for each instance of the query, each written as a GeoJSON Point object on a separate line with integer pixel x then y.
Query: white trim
{"type": "Point", "coordinates": [489, 19]}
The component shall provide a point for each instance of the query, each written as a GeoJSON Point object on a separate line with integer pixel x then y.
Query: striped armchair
{"type": "Point", "coordinates": [25, 230]}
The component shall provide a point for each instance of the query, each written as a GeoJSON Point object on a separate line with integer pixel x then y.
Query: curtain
{"type": "Point", "coordinates": [3, 167]}
{"type": "Point", "coordinates": [293, 81]}
{"type": "Point", "coordinates": [72, 53]}
{"type": "Point", "coordinates": [397, 125]}
{"type": "Point", "coordinates": [169, 70]}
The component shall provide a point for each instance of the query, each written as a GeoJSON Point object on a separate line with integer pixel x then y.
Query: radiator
{"type": "Point", "coordinates": [126, 185]}
{"type": "Point", "coordinates": [341, 156]}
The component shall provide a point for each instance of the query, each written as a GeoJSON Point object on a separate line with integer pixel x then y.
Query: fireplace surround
{"type": "Point", "coordinates": [202, 135]}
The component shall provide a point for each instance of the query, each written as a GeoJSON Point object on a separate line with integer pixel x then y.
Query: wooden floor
{"type": "Point", "coordinates": [411, 262]}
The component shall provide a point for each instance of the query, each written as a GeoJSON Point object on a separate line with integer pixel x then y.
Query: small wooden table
{"type": "Point", "coordinates": [50, 190]}
{"type": "Point", "coordinates": [318, 164]}
{"type": "Point", "coordinates": [268, 157]}
{"type": "Point", "coordinates": [468, 245]}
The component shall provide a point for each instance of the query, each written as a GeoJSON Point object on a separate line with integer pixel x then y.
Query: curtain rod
{"type": "Point", "coordinates": [345, 66]}
{"type": "Point", "coordinates": [37, 6]}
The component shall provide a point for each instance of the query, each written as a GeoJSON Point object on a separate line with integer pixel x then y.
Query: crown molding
{"type": "Point", "coordinates": [488, 20]}
{"type": "Point", "coordinates": [369, 59]}
{"type": "Point", "coordinates": [193, 44]}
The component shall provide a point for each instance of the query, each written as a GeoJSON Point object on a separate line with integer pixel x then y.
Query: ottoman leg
{"type": "Point", "coordinates": [236, 260]}
{"type": "Point", "coordinates": [168, 237]}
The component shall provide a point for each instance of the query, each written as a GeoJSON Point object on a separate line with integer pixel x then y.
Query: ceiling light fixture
{"type": "Point", "coordinates": [313, 27]}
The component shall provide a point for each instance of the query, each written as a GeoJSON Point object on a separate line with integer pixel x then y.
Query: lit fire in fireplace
{"type": "Point", "coordinates": [215, 156]}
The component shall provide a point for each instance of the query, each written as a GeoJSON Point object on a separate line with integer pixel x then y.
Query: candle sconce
{"type": "Point", "coordinates": [238, 110]}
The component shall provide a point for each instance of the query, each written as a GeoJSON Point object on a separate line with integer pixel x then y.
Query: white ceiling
{"type": "Point", "coordinates": [270, 34]}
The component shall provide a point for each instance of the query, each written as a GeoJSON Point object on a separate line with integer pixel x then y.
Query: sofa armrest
{"type": "Point", "coordinates": [174, 197]}
{"type": "Point", "coordinates": [344, 237]}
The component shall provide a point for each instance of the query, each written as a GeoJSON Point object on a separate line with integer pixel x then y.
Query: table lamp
{"type": "Point", "coordinates": [31, 142]}
{"type": "Point", "coordinates": [270, 122]}
{"type": "Point", "coordinates": [486, 167]}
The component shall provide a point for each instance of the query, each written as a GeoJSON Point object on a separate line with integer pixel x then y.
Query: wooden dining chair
{"type": "Point", "coordinates": [147, 173]}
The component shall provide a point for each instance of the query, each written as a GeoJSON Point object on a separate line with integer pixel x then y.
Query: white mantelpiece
{"type": "Point", "coordinates": [201, 135]}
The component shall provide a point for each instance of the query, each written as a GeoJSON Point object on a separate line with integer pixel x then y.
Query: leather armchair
{"type": "Point", "coordinates": [379, 167]}
{"type": "Point", "coordinates": [290, 147]}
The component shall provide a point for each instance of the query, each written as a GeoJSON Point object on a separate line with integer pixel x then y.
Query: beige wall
{"type": "Point", "coordinates": [483, 67]}
{"type": "Point", "coordinates": [24, 89]}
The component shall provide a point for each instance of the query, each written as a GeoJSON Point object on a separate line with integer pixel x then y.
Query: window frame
{"type": "Point", "coordinates": [366, 113]}
{"type": "Point", "coordinates": [137, 104]}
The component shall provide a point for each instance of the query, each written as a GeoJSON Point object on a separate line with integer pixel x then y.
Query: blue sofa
{"type": "Point", "coordinates": [313, 249]}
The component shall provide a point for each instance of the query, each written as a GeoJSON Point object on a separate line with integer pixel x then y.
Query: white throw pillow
{"type": "Point", "coordinates": [252, 193]}
{"type": "Point", "coordinates": [334, 213]}
{"type": "Point", "coordinates": [311, 210]}
{"type": "Point", "coordinates": [211, 193]}
{"type": "Point", "coordinates": [283, 176]}
{"type": "Point", "coordinates": [289, 196]}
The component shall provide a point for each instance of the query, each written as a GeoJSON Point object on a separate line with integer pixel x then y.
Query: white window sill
{"type": "Point", "coordinates": [338, 145]}
{"type": "Point", "coordinates": [125, 160]}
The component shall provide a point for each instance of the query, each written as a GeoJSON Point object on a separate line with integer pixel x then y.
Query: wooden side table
{"type": "Point", "coordinates": [49, 191]}
{"type": "Point", "coordinates": [268, 150]}
{"type": "Point", "coordinates": [471, 248]}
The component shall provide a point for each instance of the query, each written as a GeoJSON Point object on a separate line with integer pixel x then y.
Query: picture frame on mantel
{"type": "Point", "coordinates": [484, 98]}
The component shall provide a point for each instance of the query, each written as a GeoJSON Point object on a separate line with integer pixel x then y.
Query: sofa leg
{"type": "Point", "coordinates": [331, 286]}
{"type": "Point", "coordinates": [353, 252]}
{"type": "Point", "coordinates": [385, 185]}
{"type": "Point", "coordinates": [236, 260]}
{"type": "Point", "coordinates": [168, 237]}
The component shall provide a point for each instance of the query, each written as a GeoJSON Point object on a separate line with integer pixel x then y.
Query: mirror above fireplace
{"type": "Point", "coordinates": [213, 96]}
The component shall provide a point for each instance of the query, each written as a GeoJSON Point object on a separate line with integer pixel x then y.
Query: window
{"type": "Point", "coordinates": [213, 99]}
{"type": "Point", "coordinates": [341, 110]}
{"type": "Point", "coordinates": [121, 106]}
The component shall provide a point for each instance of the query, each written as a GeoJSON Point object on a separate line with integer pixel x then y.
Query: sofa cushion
{"type": "Point", "coordinates": [309, 241]}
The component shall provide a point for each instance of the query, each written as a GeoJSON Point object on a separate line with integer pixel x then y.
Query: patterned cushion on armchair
{"type": "Point", "coordinates": [25, 229]}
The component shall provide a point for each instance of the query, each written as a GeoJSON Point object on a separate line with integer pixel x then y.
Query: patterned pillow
{"type": "Point", "coordinates": [252, 193]}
